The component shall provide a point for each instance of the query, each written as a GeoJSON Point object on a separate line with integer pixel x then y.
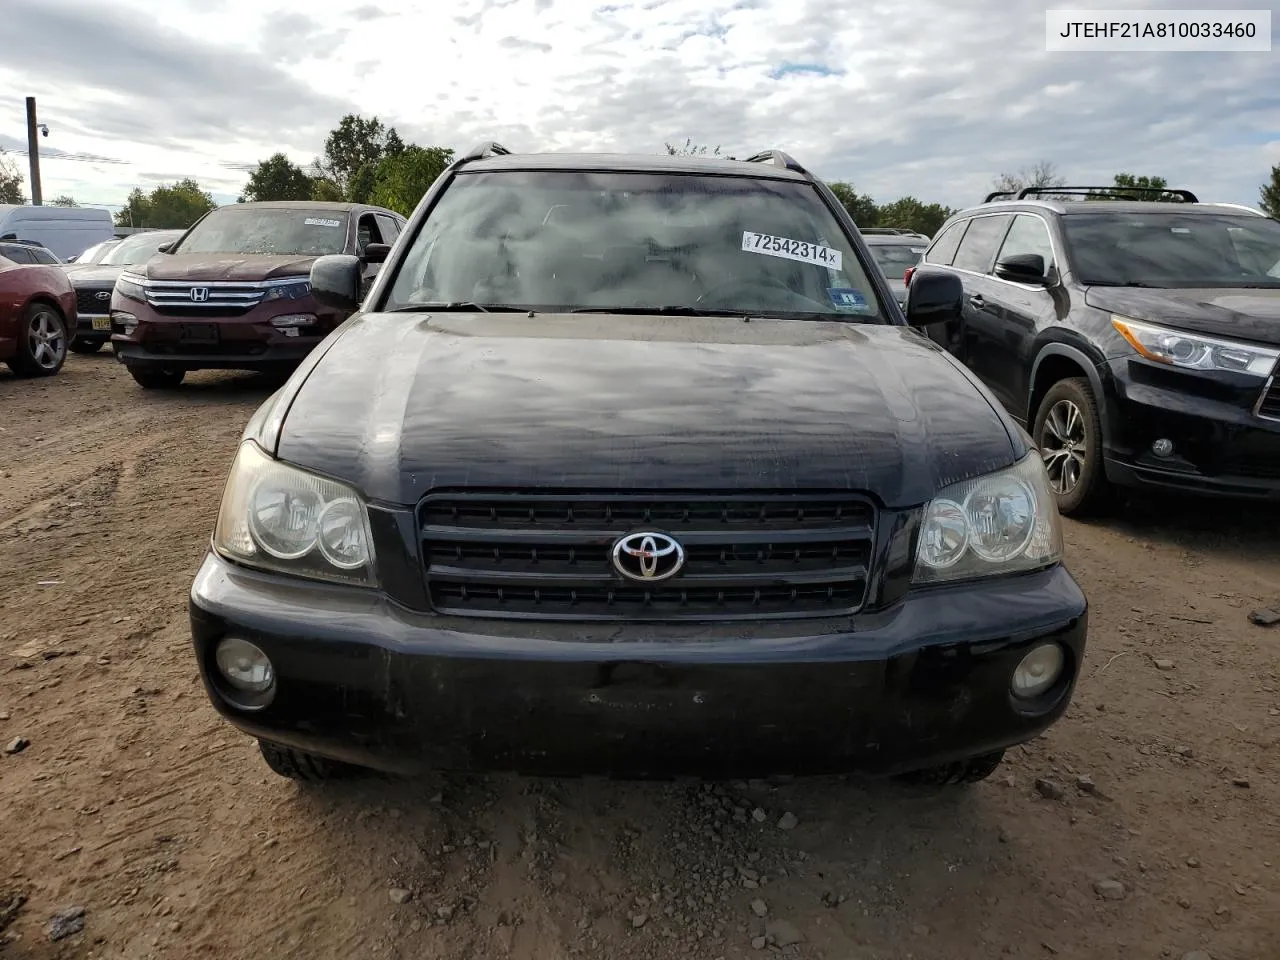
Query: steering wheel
{"type": "Point", "coordinates": [734, 284]}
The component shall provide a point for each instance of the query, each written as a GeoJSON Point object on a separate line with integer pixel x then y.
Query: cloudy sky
{"type": "Point", "coordinates": [932, 98]}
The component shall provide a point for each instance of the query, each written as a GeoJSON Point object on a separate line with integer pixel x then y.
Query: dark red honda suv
{"type": "Point", "coordinates": [234, 292]}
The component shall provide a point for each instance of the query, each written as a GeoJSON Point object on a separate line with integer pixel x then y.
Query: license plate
{"type": "Point", "coordinates": [198, 333]}
{"type": "Point", "coordinates": [102, 323]}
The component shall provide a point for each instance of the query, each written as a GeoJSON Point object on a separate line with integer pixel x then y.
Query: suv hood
{"type": "Point", "coordinates": [223, 266]}
{"type": "Point", "coordinates": [402, 403]}
{"type": "Point", "coordinates": [91, 274]}
{"type": "Point", "coordinates": [1233, 312]}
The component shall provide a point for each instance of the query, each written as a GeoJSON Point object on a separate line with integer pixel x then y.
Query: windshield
{"type": "Point", "coordinates": [268, 230]}
{"type": "Point", "coordinates": [138, 248]}
{"type": "Point", "coordinates": [569, 240]}
{"type": "Point", "coordinates": [1174, 249]}
{"type": "Point", "coordinates": [99, 250]}
{"type": "Point", "coordinates": [895, 258]}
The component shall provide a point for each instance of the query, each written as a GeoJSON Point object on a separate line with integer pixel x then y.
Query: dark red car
{"type": "Point", "coordinates": [37, 317]}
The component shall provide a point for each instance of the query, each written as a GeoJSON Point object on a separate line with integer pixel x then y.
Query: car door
{"type": "Point", "coordinates": [972, 263]}
{"type": "Point", "coordinates": [1016, 312]}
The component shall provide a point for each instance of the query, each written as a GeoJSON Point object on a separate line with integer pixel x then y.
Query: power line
{"type": "Point", "coordinates": [78, 157]}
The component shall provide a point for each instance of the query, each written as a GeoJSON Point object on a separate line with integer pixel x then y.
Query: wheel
{"type": "Point", "coordinates": [1068, 431]}
{"type": "Point", "coordinates": [156, 378]}
{"type": "Point", "coordinates": [42, 342]}
{"type": "Point", "coordinates": [962, 771]}
{"type": "Point", "coordinates": [86, 346]}
{"type": "Point", "coordinates": [299, 765]}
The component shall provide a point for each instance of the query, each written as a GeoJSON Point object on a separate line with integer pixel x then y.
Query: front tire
{"type": "Point", "coordinates": [156, 378]}
{"type": "Point", "coordinates": [86, 346]}
{"type": "Point", "coordinates": [300, 765]}
{"type": "Point", "coordinates": [1068, 431]}
{"type": "Point", "coordinates": [42, 342]}
{"type": "Point", "coordinates": [972, 770]}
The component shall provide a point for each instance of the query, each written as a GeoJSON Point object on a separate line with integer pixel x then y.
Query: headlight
{"type": "Point", "coordinates": [278, 517]}
{"type": "Point", "coordinates": [1004, 522]}
{"type": "Point", "coordinates": [290, 290]}
{"type": "Point", "coordinates": [130, 285]}
{"type": "Point", "coordinates": [1191, 351]}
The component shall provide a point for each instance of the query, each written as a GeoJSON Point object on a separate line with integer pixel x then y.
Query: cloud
{"type": "Point", "coordinates": [935, 104]}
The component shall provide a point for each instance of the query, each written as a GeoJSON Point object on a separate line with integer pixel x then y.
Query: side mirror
{"type": "Point", "coordinates": [933, 297]}
{"type": "Point", "coordinates": [166, 247]}
{"type": "Point", "coordinates": [376, 253]}
{"type": "Point", "coordinates": [335, 282]}
{"type": "Point", "coordinates": [1022, 268]}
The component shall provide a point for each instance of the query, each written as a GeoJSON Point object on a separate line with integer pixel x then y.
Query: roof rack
{"type": "Point", "coordinates": [778, 159]}
{"type": "Point", "coordinates": [996, 195]}
{"type": "Point", "coordinates": [482, 151]}
{"type": "Point", "coordinates": [889, 231]}
{"type": "Point", "coordinates": [1111, 193]}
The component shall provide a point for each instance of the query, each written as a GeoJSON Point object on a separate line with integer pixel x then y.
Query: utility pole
{"type": "Point", "coordinates": [33, 151]}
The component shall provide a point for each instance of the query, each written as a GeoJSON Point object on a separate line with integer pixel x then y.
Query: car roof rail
{"type": "Point", "coordinates": [889, 232]}
{"type": "Point", "coordinates": [1245, 207]}
{"type": "Point", "coordinates": [997, 194]}
{"type": "Point", "coordinates": [1112, 192]}
{"type": "Point", "coordinates": [28, 243]}
{"type": "Point", "coordinates": [482, 151]}
{"type": "Point", "coordinates": [778, 159]}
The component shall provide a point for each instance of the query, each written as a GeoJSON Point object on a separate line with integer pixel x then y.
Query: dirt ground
{"type": "Point", "coordinates": [1157, 836]}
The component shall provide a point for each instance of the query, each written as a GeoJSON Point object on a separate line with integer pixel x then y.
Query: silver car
{"type": "Point", "coordinates": [894, 253]}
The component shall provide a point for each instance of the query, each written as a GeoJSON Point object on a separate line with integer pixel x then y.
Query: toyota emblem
{"type": "Point", "coordinates": [648, 557]}
{"type": "Point", "coordinates": [199, 294]}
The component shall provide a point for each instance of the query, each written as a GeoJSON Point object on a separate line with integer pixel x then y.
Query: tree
{"type": "Point", "coordinates": [10, 181]}
{"type": "Point", "coordinates": [277, 178]}
{"type": "Point", "coordinates": [64, 200]}
{"type": "Point", "coordinates": [166, 207]}
{"type": "Point", "coordinates": [860, 206]}
{"type": "Point", "coordinates": [403, 178]}
{"type": "Point", "coordinates": [1041, 174]}
{"type": "Point", "coordinates": [913, 214]}
{"type": "Point", "coordinates": [691, 149]}
{"type": "Point", "coordinates": [1270, 196]}
{"type": "Point", "coordinates": [354, 145]}
{"type": "Point", "coordinates": [1128, 180]}
{"type": "Point", "coordinates": [324, 189]}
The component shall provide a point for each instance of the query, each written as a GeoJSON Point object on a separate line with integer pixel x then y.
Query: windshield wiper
{"type": "Point", "coordinates": [458, 306]}
{"type": "Point", "coordinates": [678, 310]}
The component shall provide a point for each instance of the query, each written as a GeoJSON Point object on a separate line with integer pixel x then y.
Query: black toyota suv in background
{"type": "Point", "coordinates": [1138, 339]}
{"type": "Point", "coordinates": [632, 465]}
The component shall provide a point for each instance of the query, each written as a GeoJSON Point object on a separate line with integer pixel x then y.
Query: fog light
{"type": "Point", "coordinates": [127, 321]}
{"type": "Point", "coordinates": [244, 665]}
{"type": "Point", "coordinates": [1038, 671]}
{"type": "Point", "coordinates": [1162, 448]}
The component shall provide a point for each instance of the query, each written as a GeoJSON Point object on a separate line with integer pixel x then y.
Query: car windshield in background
{"type": "Point", "coordinates": [268, 231]}
{"type": "Point", "coordinates": [638, 242]}
{"type": "Point", "coordinates": [1174, 249]}
{"type": "Point", "coordinates": [895, 258]}
{"type": "Point", "coordinates": [138, 248]}
{"type": "Point", "coordinates": [99, 250]}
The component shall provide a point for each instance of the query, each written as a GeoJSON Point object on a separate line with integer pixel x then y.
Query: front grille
{"type": "Point", "coordinates": [180, 298]}
{"type": "Point", "coordinates": [88, 303]}
{"type": "Point", "coordinates": [548, 556]}
{"type": "Point", "coordinates": [1269, 403]}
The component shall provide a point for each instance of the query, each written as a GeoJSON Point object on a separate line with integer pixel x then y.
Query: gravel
{"type": "Point", "coordinates": [65, 923]}
{"type": "Point", "coordinates": [783, 933]}
{"type": "Point", "coordinates": [1110, 889]}
{"type": "Point", "coordinates": [759, 907]}
{"type": "Point", "coordinates": [1049, 789]}
{"type": "Point", "coordinates": [788, 821]}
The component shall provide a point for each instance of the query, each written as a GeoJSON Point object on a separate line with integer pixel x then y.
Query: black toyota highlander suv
{"type": "Point", "coordinates": [631, 465]}
{"type": "Point", "coordinates": [1138, 339]}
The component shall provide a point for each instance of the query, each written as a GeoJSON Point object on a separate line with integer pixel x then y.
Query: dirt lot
{"type": "Point", "coordinates": [135, 803]}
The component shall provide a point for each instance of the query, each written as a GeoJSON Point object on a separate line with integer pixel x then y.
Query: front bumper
{"type": "Point", "coordinates": [1220, 446]}
{"type": "Point", "coordinates": [362, 679]}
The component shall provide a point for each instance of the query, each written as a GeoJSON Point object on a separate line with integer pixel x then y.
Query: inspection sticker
{"type": "Point", "coordinates": [787, 249]}
{"type": "Point", "coordinates": [849, 300]}
{"type": "Point", "coordinates": [321, 222]}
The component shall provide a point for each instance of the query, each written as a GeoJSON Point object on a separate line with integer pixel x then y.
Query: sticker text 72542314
{"type": "Point", "coordinates": [787, 249]}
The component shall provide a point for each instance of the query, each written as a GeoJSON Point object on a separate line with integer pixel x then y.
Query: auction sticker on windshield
{"type": "Point", "coordinates": [321, 222]}
{"type": "Point", "coordinates": [788, 249]}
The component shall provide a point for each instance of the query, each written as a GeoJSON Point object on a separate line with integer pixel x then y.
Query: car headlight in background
{"type": "Point", "coordinates": [1191, 351]}
{"type": "Point", "coordinates": [277, 517]}
{"type": "Point", "coordinates": [130, 285]}
{"type": "Point", "coordinates": [288, 290]}
{"type": "Point", "coordinates": [1004, 522]}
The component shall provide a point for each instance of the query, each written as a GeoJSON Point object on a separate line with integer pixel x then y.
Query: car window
{"type": "Point", "coordinates": [41, 255]}
{"type": "Point", "coordinates": [978, 248]}
{"type": "Point", "coordinates": [367, 232]}
{"type": "Point", "coordinates": [895, 258]}
{"type": "Point", "coordinates": [944, 248]}
{"type": "Point", "coordinates": [245, 229]}
{"type": "Point", "coordinates": [95, 253]}
{"type": "Point", "coordinates": [1028, 235]}
{"type": "Point", "coordinates": [138, 248]}
{"type": "Point", "coordinates": [18, 254]}
{"type": "Point", "coordinates": [1193, 249]}
{"type": "Point", "coordinates": [390, 229]}
{"type": "Point", "coordinates": [570, 240]}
